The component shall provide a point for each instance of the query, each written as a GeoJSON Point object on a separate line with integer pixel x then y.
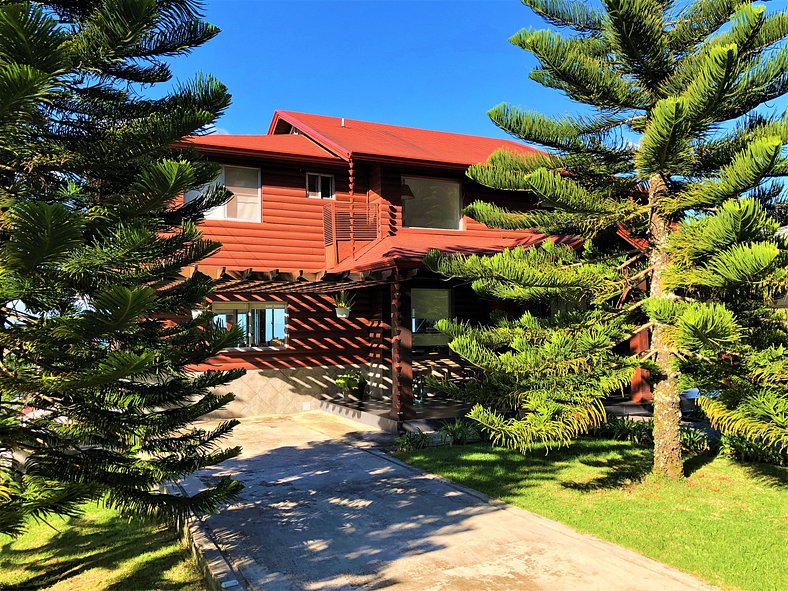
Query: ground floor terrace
{"type": "Point", "coordinates": [296, 345]}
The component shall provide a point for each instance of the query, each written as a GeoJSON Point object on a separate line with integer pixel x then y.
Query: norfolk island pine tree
{"type": "Point", "coordinates": [94, 234]}
{"type": "Point", "coordinates": [679, 155]}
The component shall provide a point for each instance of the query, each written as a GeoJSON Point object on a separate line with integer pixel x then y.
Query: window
{"type": "Point", "coordinates": [427, 307]}
{"type": "Point", "coordinates": [244, 205]}
{"type": "Point", "coordinates": [319, 186]}
{"type": "Point", "coordinates": [430, 203]}
{"type": "Point", "coordinates": [263, 324]}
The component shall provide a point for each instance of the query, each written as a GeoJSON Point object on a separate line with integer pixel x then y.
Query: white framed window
{"type": "Point", "coordinates": [319, 186]}
{"type": "Point", "coordinates": [264, 324]}
{"type": "Point", "coordinates": [427, 307]}
{"type": "Point", "coordinates": [431, 203]}
{"type": "Point", "coordinates": [245, 204]}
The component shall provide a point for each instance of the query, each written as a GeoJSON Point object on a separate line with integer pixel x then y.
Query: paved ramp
{"type": "Point", "coordinates": [323, 510]}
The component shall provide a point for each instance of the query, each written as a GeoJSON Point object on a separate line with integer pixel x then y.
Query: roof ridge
{"type": "Point", "coordinates": [349, 139]}
{"type": "Point", "coordinates": [295, 114]}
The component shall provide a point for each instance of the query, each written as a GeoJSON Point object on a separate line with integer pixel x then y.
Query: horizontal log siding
{"type": "Point", "coordinates": [315, 336]}
{"type": "Point", "coordinates": [290, 236]}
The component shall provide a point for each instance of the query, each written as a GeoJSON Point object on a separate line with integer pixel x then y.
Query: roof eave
{"type": "Point", "coordinates": [233, 151]}
{"type": "Point", "coordinates": [360, 156]}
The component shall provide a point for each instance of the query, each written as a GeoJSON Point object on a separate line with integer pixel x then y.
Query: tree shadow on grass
{"type": "Point", "coordinates": [494, 471]}
{"type": "Point", "coordinates": [500, 472]}
{"type": "Point", "coordinates": [112, 545]}
{"type": "Point", "coordinates": [768, 474]}
{"type": "Point", "coordinates": [696, 462]}
{"type": "Point", "coordinates": [615, 464]}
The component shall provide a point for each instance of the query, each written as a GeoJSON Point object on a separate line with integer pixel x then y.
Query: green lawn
{"type": "Point", "coordinates": [99, 551]}
{"type": "Point", "coordinates": [726, 523]}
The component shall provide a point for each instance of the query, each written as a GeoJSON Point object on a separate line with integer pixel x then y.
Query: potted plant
{"type": "Point", "coordinates": [343, 302]}
{"type": "Point", "coordinates": [352, 383]}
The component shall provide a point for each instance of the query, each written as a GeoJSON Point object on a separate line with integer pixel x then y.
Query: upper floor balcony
{"type": "Point", "coordinates": [367, 236]}
{"type": "Point", "coordinates": [350, 228]}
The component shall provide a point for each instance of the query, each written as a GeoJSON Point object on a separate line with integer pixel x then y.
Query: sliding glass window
{"type": "Point", "coordinates": [431, 203]}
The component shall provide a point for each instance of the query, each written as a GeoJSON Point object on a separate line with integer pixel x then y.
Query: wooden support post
{"type": "Point", "coordinates": [639, 389]}
{"type": "Point", "coordinates": [401, 345]}
{"type": "Point", "coordinates": [379, 339]}
{"type": "Point", "coordinates": [352, 216]}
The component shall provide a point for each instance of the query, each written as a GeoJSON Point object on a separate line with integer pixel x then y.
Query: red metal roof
{"type": "Point", "coordinates": [407, 249]}
{"type": "Point", "coordinates": [264, 145]}
{"type": "Point", "coordinates": [376, 140]}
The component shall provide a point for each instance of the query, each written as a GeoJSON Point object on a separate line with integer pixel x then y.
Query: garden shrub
{"type": "Point", "coordinates": [744, 450]}
{"type": "Point", "coordinates": [458, 432]}
{"type": "Point", "coordinates": [411, 440]}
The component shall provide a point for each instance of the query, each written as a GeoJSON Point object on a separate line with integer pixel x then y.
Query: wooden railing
{"type": "Point", "coordinates": [348, 226]}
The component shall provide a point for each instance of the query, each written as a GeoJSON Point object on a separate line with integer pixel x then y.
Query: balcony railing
{"type": "Point", "coordinates": [347, 227]}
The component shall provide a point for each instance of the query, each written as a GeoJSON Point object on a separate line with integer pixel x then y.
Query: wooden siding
{"type": "Point", "coordinates": [315, 336]}
{"type": "Point", "coordinates": [290, 236]}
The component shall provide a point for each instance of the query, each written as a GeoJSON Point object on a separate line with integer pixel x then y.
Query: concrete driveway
{"type": "Point", "coordinates": [324, 510]}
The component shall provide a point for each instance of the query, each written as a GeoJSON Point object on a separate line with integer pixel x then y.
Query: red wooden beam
{"type": "Point", "coordinates": [401, 345]}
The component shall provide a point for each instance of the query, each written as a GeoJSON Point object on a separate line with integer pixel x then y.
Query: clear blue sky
{"type": "Point", "coordinates": [423, 63]}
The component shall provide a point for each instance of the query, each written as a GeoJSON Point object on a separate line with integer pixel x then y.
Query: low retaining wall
{"type": "Point", "coordinates": [289, 390]}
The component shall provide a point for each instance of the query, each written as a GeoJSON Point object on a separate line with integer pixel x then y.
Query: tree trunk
{"type": "Point", "coordinates": [667, 410]}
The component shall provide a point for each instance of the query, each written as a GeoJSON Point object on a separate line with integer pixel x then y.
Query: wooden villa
{"type": "Point", "coordinates": [324, 204]}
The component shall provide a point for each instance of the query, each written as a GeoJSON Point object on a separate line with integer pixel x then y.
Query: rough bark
{"type": "Point", "coordinates": [667, 411]}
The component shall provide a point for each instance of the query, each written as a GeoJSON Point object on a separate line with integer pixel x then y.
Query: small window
{"type": "Point", "coordinates": [245, 203]}
{"type": "Point", "coordinates": [263, 324]}
{"type": "Point", "coordinates": [430, 203]}
{"type": "Point", "coordinates": [427, 307]}
{"type": "Point", "coordinates": [319, 186]}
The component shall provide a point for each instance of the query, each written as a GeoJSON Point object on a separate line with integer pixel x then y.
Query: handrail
{"type": "Point", "coordinates": [350, 222]}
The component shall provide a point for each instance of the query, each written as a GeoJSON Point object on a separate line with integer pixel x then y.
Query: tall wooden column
{"type": "Point", "coordinates": [639, 389]}
{"type": "Point", "coordinates": [401, 346]}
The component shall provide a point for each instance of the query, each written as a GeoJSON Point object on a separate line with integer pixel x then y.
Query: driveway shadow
{"type": "Point", "coordinates": [331, 515]}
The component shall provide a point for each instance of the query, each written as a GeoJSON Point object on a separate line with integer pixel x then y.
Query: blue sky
{"type": "Point", "coordinates": [422, 63]}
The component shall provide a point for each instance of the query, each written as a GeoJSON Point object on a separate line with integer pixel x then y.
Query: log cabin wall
{"type": "Point", "coordinates": [315, 336]}
{"type": "Point", "coordinates": [380, 341]}
{"type": "Point", "coordinates": [290, 235]}
{"type": "Point", "coordinates": [320, 347]}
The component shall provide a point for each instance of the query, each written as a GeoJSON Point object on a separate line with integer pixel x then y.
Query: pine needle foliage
{"type": "Point", "coordinates": [545, 376]}
{"type": "Point", "coordinates": [96, 400]}
{"type": "Point", "coordinates": [677, 152]}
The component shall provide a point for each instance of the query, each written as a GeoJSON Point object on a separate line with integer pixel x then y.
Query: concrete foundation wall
{"type": "Point", "coordinates": [287, 391]}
